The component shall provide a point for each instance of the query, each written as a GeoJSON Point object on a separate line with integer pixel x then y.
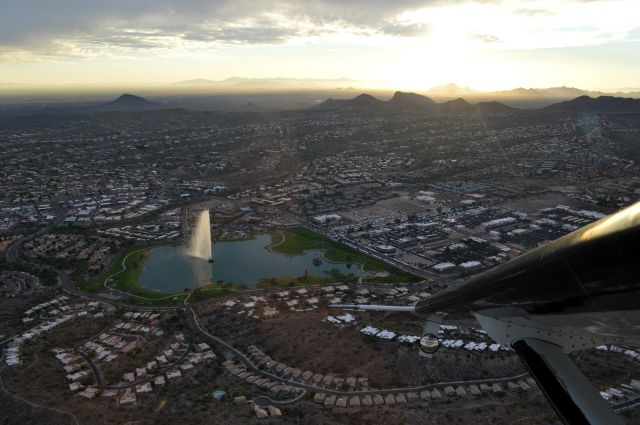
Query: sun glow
{"type": "Point", "coordinates": [484, 45]}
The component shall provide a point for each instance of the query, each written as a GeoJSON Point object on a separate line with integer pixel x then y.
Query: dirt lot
{"type": "Point", "coordinates": [535, 203]}
{"type": "Point", "coordinates": [605, 369]}
{"type": "Point", "coordinates": [188, 401]}
{"type": "Point", "coordinates": [301, 340]}
{"type": "Point", "coordinates": [404, 205]}
{"type": "Point", "coordinates": [304, 341]}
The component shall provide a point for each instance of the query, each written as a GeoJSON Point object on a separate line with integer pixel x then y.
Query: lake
{"type": "Point", "coordinates": [170, 269]}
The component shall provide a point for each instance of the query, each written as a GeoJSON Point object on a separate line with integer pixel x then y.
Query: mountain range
{"type": "Point", "coordinates": [446, 91]}
{"type": "Point", "coordinates": [401, 101]}
{"type": "Point", "coordinates": [413, 101]}
{"type": "Point", "coordinates": [601, 104]}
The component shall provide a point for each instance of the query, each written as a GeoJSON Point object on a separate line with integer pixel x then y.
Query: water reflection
{"type": "Point", "coordinates": [170, 269]}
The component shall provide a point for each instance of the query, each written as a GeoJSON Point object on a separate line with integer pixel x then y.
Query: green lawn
{"type": "Point", "coordinates": [97, 284]}
{"type": "Point", "coordinates": [299, 240]}
{"type": "Point", "coordinates": [92, 286]}
{"type": "Point", "coordinates": [209, 291]}
{"type": "Point", "coordinates": [289, 281]}
{"type": "Point", "coordinates": [127, 280]}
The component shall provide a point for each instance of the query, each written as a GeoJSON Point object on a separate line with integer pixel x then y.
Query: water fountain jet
{"type": "Point", "coordinates": [200, 242]}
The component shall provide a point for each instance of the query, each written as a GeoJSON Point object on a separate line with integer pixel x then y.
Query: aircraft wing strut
{"type": "Point", "coordinates": [567, 389]}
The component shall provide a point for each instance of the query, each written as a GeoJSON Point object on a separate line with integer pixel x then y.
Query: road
{"type": "Point", "coordinates": [185, 222]}
{"type": "Point", "coordinates": [153, 376]}
{"type": "Point", "coordinates": [309, 387]}
{"type": "Point", "coordinates": [13, 254]}
{"type": "Point", "coordinates": [373, 253]}
{"type": "Point", "coordinates": [68, 286]}
{"type": "Point", "coordinates": [627, 404]}
{"type": "Point", "coordinates": [97, 375]}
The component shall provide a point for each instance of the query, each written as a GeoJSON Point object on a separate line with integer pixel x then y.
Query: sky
{"type": "Point", "coordinates": [402, 44]}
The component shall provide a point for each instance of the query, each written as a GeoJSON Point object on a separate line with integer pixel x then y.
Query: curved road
{"type": "Point", "coordinates": [13, 254]}
{"type": "Point", "coordinates": [247, 362]}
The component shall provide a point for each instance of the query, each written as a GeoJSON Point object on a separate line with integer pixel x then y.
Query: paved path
{"type": "Point", "coordinates": [13, 254]}
{"type": "Point", "coordinates": [266, 401]}
{"type": "Point", "coordinates": [68, 285]}
{"type": "Point", "coordinates": [270, 247]}
{"type": "Point", "coordinates": [38, 406]}
{"type": "Point", "coordinates": [309, 387]}
{"type": "Point", "coordinates": [129, 294]}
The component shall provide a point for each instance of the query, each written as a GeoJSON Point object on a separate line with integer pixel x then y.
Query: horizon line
{"type": "Point", "coordinates": [354, 85]}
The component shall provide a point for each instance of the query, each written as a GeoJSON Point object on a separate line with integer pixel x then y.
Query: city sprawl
{"type": "Point", "coordinates": [408, 202]}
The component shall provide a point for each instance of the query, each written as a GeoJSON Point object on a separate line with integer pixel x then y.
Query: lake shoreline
{"type": "Point", "coordinates": [247, 262]}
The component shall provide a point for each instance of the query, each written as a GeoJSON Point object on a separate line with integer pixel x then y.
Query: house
{"type": "Point", "coordinates": [174, 374]}
{"type": "Point", "coordinates": [89, 393]}
{"type": "Point", "coordinates": [143, 388]}
{"type": "Point", "coordinates": [260, 412]}
{"type": "Point", "coordinates": [75, 386]}
{"type": "Point", "coordinates": [274, 411]}
{"type": "Point", "coordinates": [330, 400]}
{"type": "Point", "coordinates": [128, 398]}
{"type": "Point", "coordinates": [401, 398]}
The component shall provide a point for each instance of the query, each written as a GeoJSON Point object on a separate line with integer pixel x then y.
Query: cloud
{"type": "Point", "coordinates": [58, 28]}
{"type": "Point", "coordinates": [634, 34]}
{"type": "Point", "coordinates": [485, 38]}
{"type": "Point", "coordinates": [533, 12]}
{"type": "Point", "coordinates": [405, 29]}
{"type": "Point", "coordinates": [38, 23]}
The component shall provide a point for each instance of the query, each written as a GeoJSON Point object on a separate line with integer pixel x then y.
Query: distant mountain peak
{"type": "Point", "coordinates": [361, 101]}
{"type": "Point", "coordinates": [130, 101]}
{"type": "Point", "coordinates": [406, 102]}
{"type": "Point", "coordinates": [459, 101]}
{"type": "Point", "coordinates": [601, 104]}
{"type": "Point", "coordinates": [365, 98]}
{"type": "Point", "coordinates": [405, 99]}
{"type": "Point", "coordinates": [451, 90]}
{"type": "Point", "coordinates": [493, 107]}
{"type": "Point", "coordinates": [196, 81]}
{"type": "Point", "coordinates": [128, 98]}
